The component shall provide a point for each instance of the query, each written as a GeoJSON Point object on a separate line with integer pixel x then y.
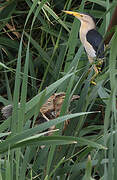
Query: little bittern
{"type": "Point", "coordinates": [90, 37]}
{"type": "Point", "coordinates": [50, 110]}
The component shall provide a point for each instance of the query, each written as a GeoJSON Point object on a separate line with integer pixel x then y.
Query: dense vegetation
{"type": "Point", "coordinates": [40, 54]}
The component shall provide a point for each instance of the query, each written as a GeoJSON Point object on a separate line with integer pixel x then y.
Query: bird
{"type": "Point", "coordinates": [91, 39]}
{"type": "Point", "coordinates": [49, 111]}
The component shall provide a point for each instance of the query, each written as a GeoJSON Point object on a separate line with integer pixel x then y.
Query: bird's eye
{"type": "Point", "coordinates": [81, 15]}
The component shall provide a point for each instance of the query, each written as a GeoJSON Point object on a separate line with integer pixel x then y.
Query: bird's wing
{"type": "Point", "coordinates": [96, 41]}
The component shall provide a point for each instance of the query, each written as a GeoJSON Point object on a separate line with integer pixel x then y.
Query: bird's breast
{"type": "Point", "coordinates": [88, 48]}
{"type": "Point", "coordinates": [84, 28]}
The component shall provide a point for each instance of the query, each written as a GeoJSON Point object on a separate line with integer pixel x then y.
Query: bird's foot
{"type": "Point", "coordinates": [93, 82]}
{"type": "Point", "coordinates": [94, 76]}
{"type": "Point", "coordinates": [99, 65]}
{"type": "Point", "coordinates": [100, 62]}
{"type": "Point", "coordinates": [97, 69]}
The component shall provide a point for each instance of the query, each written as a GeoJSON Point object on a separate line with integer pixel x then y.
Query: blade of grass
{"type": "Point", "coordinates": [40, 128]}
{"type": "Point", "coordinates": [54, 140]}
{"type": "Point", "coordinates": [113, 81]}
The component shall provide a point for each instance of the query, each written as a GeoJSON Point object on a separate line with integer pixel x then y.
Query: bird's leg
{"type": "Point", "coordinates": [99, 64]}
{"type": "Point", "coordinates": [94, 76]}
{"type": "Point", "coordinates": [96, 67]}
{"type": "Point", "coordinates": [91, 60]}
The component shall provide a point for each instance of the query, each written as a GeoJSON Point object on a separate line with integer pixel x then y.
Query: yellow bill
{"type": "Point", "coordinates": [76, 14]}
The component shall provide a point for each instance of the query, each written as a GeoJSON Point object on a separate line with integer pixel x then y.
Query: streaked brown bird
{"type": "Point", "coordinates": [50, 110]}
{"type": "Point", "coordinates": [90, 38]}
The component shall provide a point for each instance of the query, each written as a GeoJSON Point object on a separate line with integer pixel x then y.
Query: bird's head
{"type": "Point", "coordinates": [84, 18]}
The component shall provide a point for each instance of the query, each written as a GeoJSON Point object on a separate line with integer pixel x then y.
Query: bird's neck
{"type": "Point", "coordinates": [84, 28]}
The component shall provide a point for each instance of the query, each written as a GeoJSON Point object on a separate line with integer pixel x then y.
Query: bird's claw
{"type": "Point", "coordinates": [100, 62]}
{"type": "Point", "coordinates": [97, 69]}
{"type": "Point", "coordinates": [93, 82]}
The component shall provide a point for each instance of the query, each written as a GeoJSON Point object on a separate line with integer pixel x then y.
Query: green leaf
{"type": "Point", "coordinates": [88, 170]}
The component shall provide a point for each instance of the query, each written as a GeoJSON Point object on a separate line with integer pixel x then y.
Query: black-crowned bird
{"type": "Point", "coordinates": [90, 38]}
